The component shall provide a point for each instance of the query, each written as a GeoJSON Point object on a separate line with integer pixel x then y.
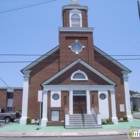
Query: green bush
{"type": "Point", "coordinates": [103, 121]}
{"type": "Point", "coordinates": [125, 118]}
{"type": "Point", "coordinates": [28, 120]}
{"type": "Point", "coordinates": [109, 120]}
{"type": "Point", "coordinates": [19, 111]}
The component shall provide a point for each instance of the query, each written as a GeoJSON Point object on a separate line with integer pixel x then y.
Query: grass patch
{"type": "Point", "coordinates": [137, 118]}
{"type": "Point", "coordinates": [136, 111]}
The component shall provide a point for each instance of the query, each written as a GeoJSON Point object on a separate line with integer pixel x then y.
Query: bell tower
{"type": "Point", "coordinates": [75, 37]}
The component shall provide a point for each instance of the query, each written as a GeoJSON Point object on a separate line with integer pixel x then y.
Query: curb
{"type": "Point", "coordinates": [60, 134]}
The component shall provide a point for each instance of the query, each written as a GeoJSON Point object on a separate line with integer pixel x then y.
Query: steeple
{"type": "Point", "coordinates": [75, 15]}
{"type": "Point", "coordinates": [75, 37]}
{"type": "Point", "coordinates": [74, 2]}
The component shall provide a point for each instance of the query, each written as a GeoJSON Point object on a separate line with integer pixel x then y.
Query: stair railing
{"type": "Point", "coordinates": [82, 114]}
{"type": "Point", "coordinates": [97, 115]}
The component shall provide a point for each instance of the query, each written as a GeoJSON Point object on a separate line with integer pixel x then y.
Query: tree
{"type": "Point", "coordinates": [133, 92]}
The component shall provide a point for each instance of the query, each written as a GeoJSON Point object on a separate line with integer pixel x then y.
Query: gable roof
{"type": "Point", "coordinates": [40, 59]}
{"type": "Point", "coordinates": [111, 59]}
{"type": "Point", "coordinates": [57, 47]}
{"type": "Point", "coordinates": [83, 63]}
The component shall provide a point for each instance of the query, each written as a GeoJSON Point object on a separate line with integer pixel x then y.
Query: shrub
{"type": "Point", "coordinates": [28, 120]}
{"type": "Point", "coordinates": [125, 118]}
{"type": "Point", "coordinates": [103, 121]}
{"type": "Point", "coordinates": [19, 111]}
{"type": "Point", "coordinates": [109, 120]}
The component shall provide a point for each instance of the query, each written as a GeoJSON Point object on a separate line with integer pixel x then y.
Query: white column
{"type": "Point", "coordinates": [113, 104]}
{"type": "Point", "coordinates": [70, 102]}
{"type": "Point", "coordinates": [45, 109]}
{"type": "Point", "coordinates": [88, 101]}
{"type": "Point", "coordinates": [127, 96]}
{"type": "Point", "coordinates": [25, 97]}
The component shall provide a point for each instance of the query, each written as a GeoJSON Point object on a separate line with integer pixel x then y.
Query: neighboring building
{"type": "Point", "coordinates": [136, 102]}
{"type": "Point", "coordinates": [76, 77]}
{"type": "Point", "coordinates": [11, 98]}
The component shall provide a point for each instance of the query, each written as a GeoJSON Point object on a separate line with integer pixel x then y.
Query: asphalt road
{"type": "Point", "coordinates": [118, 137]}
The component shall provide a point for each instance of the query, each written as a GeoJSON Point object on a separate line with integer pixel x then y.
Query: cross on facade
{"type": "Point", "coordinates": [74, 1]}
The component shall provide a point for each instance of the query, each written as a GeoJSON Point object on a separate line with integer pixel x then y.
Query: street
{"type": "Point", "coordinates": [119, 137]}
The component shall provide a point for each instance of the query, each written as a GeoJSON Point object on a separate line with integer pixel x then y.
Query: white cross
{"type": "Point", "coordinates": [74, 1]}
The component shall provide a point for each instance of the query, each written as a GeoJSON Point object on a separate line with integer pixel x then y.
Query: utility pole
{"type": "Point", "coordinates": [138, 3]}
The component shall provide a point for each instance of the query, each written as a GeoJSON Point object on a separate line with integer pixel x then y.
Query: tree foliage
{"type": "Point", "coordinates": [133, 92]}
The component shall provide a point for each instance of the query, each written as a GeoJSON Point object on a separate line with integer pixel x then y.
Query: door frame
{"type": "Point", "coordinates": [77, 93]}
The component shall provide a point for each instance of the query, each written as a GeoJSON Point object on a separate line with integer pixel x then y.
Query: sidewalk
{"type": "Point", "coordinates": [17, 130]}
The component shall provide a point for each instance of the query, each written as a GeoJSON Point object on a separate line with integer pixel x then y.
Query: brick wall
{"type": "Point", "coordinates": [64, 104]}
{"type": "Point", "coordinates": [94, 99]}
{"type": "Point", "coordinates": [65, 78]}
{"type": "Point", "coordinates": [67, 55]}
{"type": "Point", "coordinates": [3, 98]}
{"type": "Point", "coordinates": [113, 72]}
{"type": "Point", "coordinates": [66, 22]}
{"type": "Point", "coordinates": [39, 74]}
{"type": "Point", "coordinates": [17, 99]}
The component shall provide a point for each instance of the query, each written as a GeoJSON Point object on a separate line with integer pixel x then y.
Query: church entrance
{"type": "Point", "coordinates": [79, 103]}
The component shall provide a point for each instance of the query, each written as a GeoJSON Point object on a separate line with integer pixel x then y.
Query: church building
{"type": "Point", "coordinates": [80, 84]}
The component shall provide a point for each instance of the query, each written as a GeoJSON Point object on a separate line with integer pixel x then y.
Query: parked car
{"type": "Point", "coordinates": [8, 116]}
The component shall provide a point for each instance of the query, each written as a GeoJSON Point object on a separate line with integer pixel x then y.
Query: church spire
{"type": "Point", "coordinates": [74, 2]}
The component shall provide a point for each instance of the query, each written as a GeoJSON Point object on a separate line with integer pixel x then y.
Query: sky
{"type": "Point", "coordinates": [34, 30]}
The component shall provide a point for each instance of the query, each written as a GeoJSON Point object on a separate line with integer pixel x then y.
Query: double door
{"type": "Point", "coordinates": [79, 105]}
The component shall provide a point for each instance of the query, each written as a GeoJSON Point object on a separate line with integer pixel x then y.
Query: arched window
{"type": "Point", "coordinates": [79, 75]}
{"type": "Point", "coordinates": [75, 20]}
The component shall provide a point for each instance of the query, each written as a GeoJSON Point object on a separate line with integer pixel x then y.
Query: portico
{"type": "Point", "coordinates": [87, 88]}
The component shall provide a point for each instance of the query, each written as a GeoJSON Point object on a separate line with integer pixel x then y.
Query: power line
{"type": "Point", "coordinates": [32, 5]}
{"type": "Point", "coordinates": [5, 83]}
{"type": "Point", "coordinates": [61, 55]}
{"type": "Point", "coordinates": [47, 61]}
{"type": "Point", "coordinates": [8, 85]}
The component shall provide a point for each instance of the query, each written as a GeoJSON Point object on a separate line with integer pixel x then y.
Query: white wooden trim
{"type": "Point", "coordinates": [127, 95]}
{"type": "Point", "coordinates": [71, 102]}
{"type": "Point", "coordinates": [83, 63]}
{"type": "Point", "coordinates": [45, 108]}
{"type": "Point", "coordinates": [79, 71]}
{"type": "Point", "coordinates": [77, 12]}
{"type": "Point", "coordinates": [113, 107]}
{"type": "Point", "coordinates": [74, 7]}
{"type": "Point", "coordinates": [40, 59]}
{"type": "Point", "coordinates": [81, 87]}
{"type": "Point", "coordinates": [88, 102]}
{"type": "Point", "coordinates": [75, 29]}
{"type": "Point", "coordinates": [25, 97]}
{"type": "Point", "coordinates": [111, 59]}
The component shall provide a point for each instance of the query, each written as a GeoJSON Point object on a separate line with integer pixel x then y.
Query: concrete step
{"type": "Point", "coordinates": [82, 121]}
{"type": "Point", "coordinates": [72, 123]}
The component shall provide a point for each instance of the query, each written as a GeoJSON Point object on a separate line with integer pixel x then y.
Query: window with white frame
{"type": "Point", "coordinates": [79, 75]}
{"type": "Point", "coordinates": [75, 20]}
{"type": "Point", "coordinates": [75, 17]}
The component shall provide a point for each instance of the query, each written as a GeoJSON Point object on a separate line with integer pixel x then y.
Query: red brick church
{"type": "Point", "coordinates": [80, 83]}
